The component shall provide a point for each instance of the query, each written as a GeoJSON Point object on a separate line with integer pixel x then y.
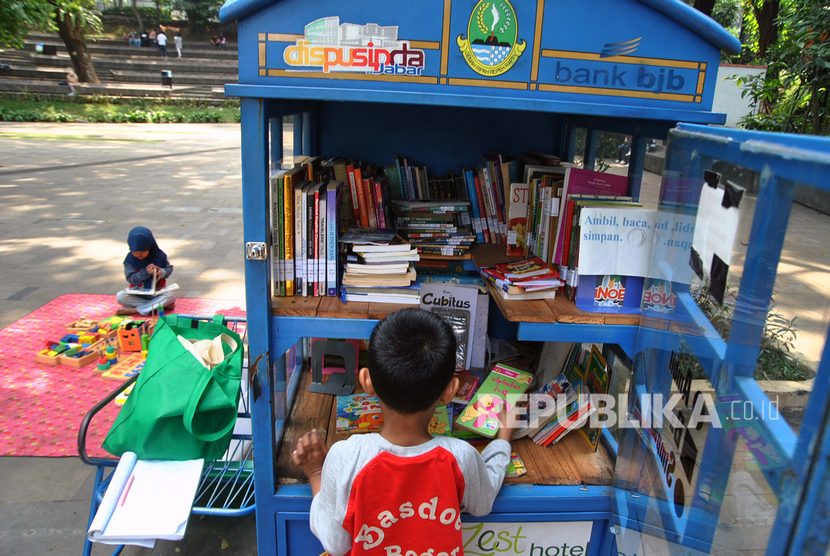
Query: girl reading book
{"type": "Point", "coordinates": [146, 268]}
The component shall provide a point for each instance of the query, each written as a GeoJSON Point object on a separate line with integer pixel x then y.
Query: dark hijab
{"type": "Point", "coordinates": [141, 239]}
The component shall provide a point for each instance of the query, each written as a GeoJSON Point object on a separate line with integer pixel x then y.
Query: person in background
{"type": "Point", "coordinates": [71, 81]}
{"type": "Point", "coordinates": [426, 481]}
{"type": "Point", "coordinates": [177, 41]}
{"type": "Point", "coordinates": [161, 39]}
{"type": "Point", "coordinates": [145, 265]}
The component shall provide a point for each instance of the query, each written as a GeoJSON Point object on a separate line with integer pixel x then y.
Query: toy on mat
{"type": "Point", "coordinates": [83, 324]}
{"type": "Point", "coordinates": [103, 362]}
{"type": "Point", "coordinates": [111, 354]}
{"type": "Point", "coordinates": [129, 366]}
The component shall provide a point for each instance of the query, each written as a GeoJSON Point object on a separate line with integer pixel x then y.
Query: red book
{"type": "Point", "coordinates": [371, 213]}
{"type": "Point", "coordinates": [363, 219]}
{"type": "Point", "coordinates": [566, 232]}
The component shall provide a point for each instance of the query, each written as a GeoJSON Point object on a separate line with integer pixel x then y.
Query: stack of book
{"type": "Point", "coordinates": [379, 267]}
{"type": "Point", "coordinates": [436, 227]}
{"type": "Point", "coordinates": [522, 280]}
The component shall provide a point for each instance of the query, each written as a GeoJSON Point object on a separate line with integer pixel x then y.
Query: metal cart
{"type": "Point", "coordinates": [226, 488]}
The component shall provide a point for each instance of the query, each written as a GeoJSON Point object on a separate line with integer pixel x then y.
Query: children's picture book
{"type": "Point", "coordinates": [557, 390]}
{"type": "Point", "coordinates": [517, 220]}
{"type": "Point", "coordinates": [482, 413]}
{"type": "Point", "coordinates": [441, 422]}
{"type": "Point", "coordinates": [358, 413]}
{"type": "Point", "coordinates": [153, 291]}
{"type": "Point", "coordinates": [575, 413]}
{"type": "Point", "coordinates": [597, 381]}
{"type": "Point", "coordinates": [469, 383]}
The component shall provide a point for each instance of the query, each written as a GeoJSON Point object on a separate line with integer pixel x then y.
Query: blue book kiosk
{"type": "Point", "coordinates": [446, 81]}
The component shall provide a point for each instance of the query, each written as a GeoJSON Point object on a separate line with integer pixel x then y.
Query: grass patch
{"type": "Point", "coordinates": [111, 110]}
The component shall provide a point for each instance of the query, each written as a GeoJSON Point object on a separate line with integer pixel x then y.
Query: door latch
{"type": "Point", "coordinates": [256, 251]}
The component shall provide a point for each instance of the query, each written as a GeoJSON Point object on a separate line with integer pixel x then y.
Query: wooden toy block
{"type": "Point", "coordinates": [44, 358]}
{"type": "Point", "coordinates": [86, 358]}
{"type": "Point", "coordinates": [129, 365]}
{"type": "Point", "coordinates": [82, 325]}
{"type": "Point", "coordinates": [129, 339]}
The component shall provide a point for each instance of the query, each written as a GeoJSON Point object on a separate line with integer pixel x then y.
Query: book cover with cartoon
{"type": "Point", "coordinates": [482, 413]}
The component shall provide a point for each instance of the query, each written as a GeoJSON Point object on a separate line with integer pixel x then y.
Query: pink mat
{"type": "Point", "coordinates": [41, 406]}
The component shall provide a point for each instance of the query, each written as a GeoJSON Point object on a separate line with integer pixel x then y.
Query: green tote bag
{"type": "Point", "coordinates": [179, 409]}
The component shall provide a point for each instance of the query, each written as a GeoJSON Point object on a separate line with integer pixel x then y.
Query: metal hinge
{"type": "Point", "coordinates": [256, 251]}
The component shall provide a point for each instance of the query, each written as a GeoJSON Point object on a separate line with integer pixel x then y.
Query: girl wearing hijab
{"type": "Point", "coordinates": [144, 263]}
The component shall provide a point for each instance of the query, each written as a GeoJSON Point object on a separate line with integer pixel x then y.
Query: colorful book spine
{"type": "Point", "coordinates": [363, 213]}
{"type": "Point", "coordinates": [332, 191]}
{"type": "Point", "coordinates": [371, 212]}
{"type": "Point", "coordinates": [321, 242]}
{"type": "Point", "coordinates": [299, 248]}
{"type": "Point", "coordinates": [309, 241]}
{"type": "Point", "coordinates": [517, 219]}
{"type": "Point", "coordinates": [314, 243]}
{"type": "Point", "coordinates": [471, 193]}
{"type": "Point", "coordinates": [288, 215]}
{"type": "Point", "coordinates": [379, 204]}
{"type": "Point", "coordinates": [280, 238]}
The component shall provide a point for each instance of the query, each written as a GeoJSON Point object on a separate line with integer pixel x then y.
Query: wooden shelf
{"type": "Point", "coordinates": [558, 309]}
{"type": "Point", "coordinates": [571, 462]}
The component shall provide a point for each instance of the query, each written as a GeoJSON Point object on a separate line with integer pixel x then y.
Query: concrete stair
{"type": "Point", "coordinates": [126, 71]}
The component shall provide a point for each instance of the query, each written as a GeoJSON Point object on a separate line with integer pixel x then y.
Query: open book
{"type": "Point", "coordinates": [153, 291]}
{"type": "Point", "coordinates": [146, 500]}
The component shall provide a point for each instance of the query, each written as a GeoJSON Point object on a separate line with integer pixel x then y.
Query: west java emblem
{"type": "Point", "coordinates": [492, 44]}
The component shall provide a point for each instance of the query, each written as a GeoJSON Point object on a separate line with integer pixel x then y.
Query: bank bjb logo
{"type": "Point", "coordinates": [492, 44]}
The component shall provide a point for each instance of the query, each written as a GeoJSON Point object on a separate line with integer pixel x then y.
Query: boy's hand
{"type": "Point", "coordinates": [504, 432]}
{"type": "Point", "coordinates": [309, 455]}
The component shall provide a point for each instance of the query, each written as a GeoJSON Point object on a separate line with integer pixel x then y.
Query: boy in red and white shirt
{"type": "Point", "coordinates": [401, 492]}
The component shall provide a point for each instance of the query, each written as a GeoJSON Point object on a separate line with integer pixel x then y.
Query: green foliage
{"type": "Point", "coordinates": [82, 13]}
{"type": "Point", "coordinates": [777, 359]}
{"type": "Point", "coordinates": [201, 14]}
{"type": "Point", "coordinates": [17, 17]}
{"type": "Point", "coordinates": [148, 14]}
{"type": "Point", "coordinates": [89, 109]}
{"type": "Point", "coordinates": [793, 96]}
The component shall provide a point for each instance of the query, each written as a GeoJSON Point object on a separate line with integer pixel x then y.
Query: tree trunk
{"type": "Point", "coordinates": [705, 6]}
{"type": "Point", "coordinates": [767, 18]}
{"type": "Point", "coordinates": [72, 34]}
{"type": "Point", "coordinates": [137, 15]}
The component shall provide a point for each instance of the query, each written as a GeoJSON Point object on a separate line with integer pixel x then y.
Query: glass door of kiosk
{"type": "Point", "coordinates": [706, 463]}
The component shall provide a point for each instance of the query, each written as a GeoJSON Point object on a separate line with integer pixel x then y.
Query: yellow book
{"type": "Point", "coordinates": [288, 226]}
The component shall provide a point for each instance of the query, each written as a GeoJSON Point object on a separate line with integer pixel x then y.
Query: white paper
{"type": "Point", "coordinates": [615, 241]}
{"type": "Point", "coordinates": [146, 500]}
{"type": "Point", "coordinates": [716, 227]}
{"type": "Point", "coordinates": [635, 242]}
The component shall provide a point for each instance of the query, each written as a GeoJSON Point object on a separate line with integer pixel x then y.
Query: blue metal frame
{"type": "Point", "coordinates": [793, 464]}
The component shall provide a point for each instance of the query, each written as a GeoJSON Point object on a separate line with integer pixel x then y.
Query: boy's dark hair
{"type": "Point", "coordinates": [411, 359]}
